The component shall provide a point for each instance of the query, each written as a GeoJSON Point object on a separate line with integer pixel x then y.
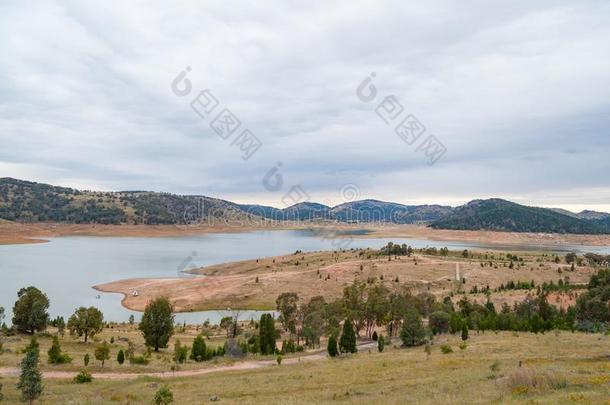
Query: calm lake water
{"type": "Point", "coordinates": [66, 268]}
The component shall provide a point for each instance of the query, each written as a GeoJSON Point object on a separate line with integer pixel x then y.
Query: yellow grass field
{"type": "Point", "coordinates": [568, 368]}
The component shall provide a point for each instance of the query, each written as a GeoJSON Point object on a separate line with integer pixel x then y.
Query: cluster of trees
{"type": "Point", "coordinates": [392, 249]}
{"type": "Point", "coordinates": [518, 285]}
{"type": "Point", "coordinates": [366, 305]}
{"type": "Point", "coordinates": [594, 305]}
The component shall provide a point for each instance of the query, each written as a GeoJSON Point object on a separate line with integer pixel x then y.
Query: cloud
{"type": "Point", "coordinates": [516, 92]}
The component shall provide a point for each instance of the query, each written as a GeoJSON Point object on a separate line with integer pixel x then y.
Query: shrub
{"type": "Point", "coordinates": [464, 331]}
{"type": "Point", "coordinates": [288, 346]}
{"type": "Point", "coordinates": [140, 360]}
{"type": "Point", "coordinates": [375, 337]}
{"type": "Point", "coordinates": [524, 380]}
{"type": "Point", "coordinates": [86, 359]}
{"type": "Point", "coordinates": [347, 342]}
{"type": "Point", "coordinates": [446, 349]}
{"type": "Point", "coordinates": [463, 346]}
{"type": "Point", "coordinates": [55, 356]}
{"type": "Point", "coordinates": [83, 377]}
{"type": "Point", "coordinates": [163, 396]}
{"type": "Point", "coordinates": [198, 351]}
{"type": "Point", "coordinates": [528, 380]}
{"type": "Point", "coordinates": [380, 343]}
{"type": "Point", "coordinates": [279, 359]}
{"type": "Point", "coordinates": [332, 346]}
{"type": "Point", "coordinates": [120, 358]}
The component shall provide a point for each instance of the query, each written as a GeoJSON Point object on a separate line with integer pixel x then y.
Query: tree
{"type": "Point", "coordinates": [61, 325]}
{"type": "Point", "coordinates": [86, 359]}
{"type": "Point", "coordinates": [226, 323]}
{"type": "Point", "coordinates": [102, 352]}
{"type": "Point", "coordinates": [132, 319]}
{"type": "Point", "coordinates": [332, 346]}
{"type": "Point", "coordinates": [380, 343]}
{"type": "Point", "coordinates": [267, 334]}
{"type": "Point", "coordinates": [439, 322]}
{"type": "Point", "coordinates": [157, 323]}
{"type": "Point", "coordinates": [347, 342]}
{"type": "Point", "coordinates": [287, 306]}
{"type": "Point", "coordinates": [30, 379]}
{"type": "Point", "coordinates": [30, 310]}
{"type": "Point", "coordinates": [413, 332]}
{"type": "Point", "coordinates": [163, 396]}
{"type": "Point", "coordinates": [55, 356]}
{"type": "Point", "coordinates": [86, 321]}
{"type": "Point", "coordinates": [120, 358]}
{"type": "Point", "coordinates": [465, 331]}
{"type": "Point", "coordinates": [354, 303]}
{"type": "Point", "coordinates": [593, 304]}
{"type": "Point", "coordinates": [198, 351]}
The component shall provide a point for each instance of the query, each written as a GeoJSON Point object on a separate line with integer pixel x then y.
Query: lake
{"type": "Point", "coordinates": [67, 267]}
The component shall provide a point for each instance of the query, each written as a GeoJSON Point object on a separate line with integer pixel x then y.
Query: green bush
{"type": "Point", "coordinates": [163, 396]}
{"type": "Point", "coordinates": [333, 351]}
{"type": "Point", "coordinates": [140, 360]}
{"type": "Point", "coordinates": [83, 377]}
{"type": "Point", "coordinates": [55, 356]}
{"type": "Point", "coordinates": [380, 343]}
{"type": "Point", "coordinates": [446, 349]}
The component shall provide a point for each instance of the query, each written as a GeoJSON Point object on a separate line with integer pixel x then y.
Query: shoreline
{"type": "Point", "coordinates": [17, 233]}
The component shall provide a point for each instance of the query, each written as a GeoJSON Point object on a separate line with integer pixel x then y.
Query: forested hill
{"type": "Point", "coordinates": [501, 215]}
{"type": "Point", "coordinates": [26, 201]}
{"type": "Point", "coordinates": [33, 202]}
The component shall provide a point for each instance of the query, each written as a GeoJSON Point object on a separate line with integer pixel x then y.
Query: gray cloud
{"type": "Point", "coordinates": [517, 93]}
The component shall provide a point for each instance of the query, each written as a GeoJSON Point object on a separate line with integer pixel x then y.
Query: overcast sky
{"type": "Point", "coordinates": [518, 93]}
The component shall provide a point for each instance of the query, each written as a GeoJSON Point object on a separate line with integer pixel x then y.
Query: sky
{"type": "Point", "coordinates": [512, 96]}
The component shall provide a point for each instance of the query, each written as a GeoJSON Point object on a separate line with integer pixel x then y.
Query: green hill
{"type": "Point", "coordinates": [501, 215]}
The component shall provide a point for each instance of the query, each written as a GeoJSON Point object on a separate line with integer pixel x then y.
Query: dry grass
{"type": "Point", "coordinates": [396, 376]}
{"type": "Point", "coordinates": [254, 284]}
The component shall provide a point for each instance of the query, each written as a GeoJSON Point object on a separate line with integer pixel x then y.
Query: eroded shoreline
{"type": "Point", "coordinates": [19, 233]}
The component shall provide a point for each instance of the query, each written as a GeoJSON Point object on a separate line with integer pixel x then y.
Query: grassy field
{"type": "Point", "coordinates": [556, 368]}
{"type": "Point", "coordinates": [77, 348]}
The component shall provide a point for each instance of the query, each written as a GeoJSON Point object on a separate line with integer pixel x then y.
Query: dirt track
{"type": "Point", "coordinates": [239, 366]}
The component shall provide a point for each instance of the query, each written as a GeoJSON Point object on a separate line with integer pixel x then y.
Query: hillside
{"type": "Point", "coordinates": [501, 215]}
{"type": "Point", "coordinates": [35, 202]}
{"type": "Point", "coordinates": [26, 201]}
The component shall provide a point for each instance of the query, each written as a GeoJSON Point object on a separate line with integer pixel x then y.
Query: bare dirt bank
{"type": "Point", "coordinates": [13, 233]}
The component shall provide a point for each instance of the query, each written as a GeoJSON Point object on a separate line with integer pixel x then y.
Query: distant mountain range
{"type": "Point", "coordinates": [27, 201]}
